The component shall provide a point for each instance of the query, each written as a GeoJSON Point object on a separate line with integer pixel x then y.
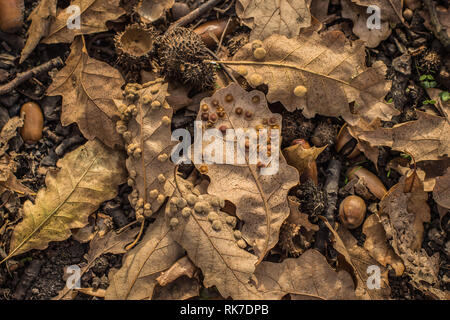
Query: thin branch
{"type": "Point", "coordinates": [194, 14]}
{"type": "Point", "coordinates": [27, 75]}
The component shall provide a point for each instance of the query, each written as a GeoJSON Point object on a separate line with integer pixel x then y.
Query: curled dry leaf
{"type": "Point", "coordinates": [441, 192]}
{"type": "Point", "coordinates": [181, 289]}
{"type": "Point", "coordinates": [378, 247]}
{"type": "Point", "coordinates": [41, 18]}
{"type": "Point", "coordinates": [426, 138]}
{"type": "Point", "coordinates": [89, 87]}
{"type": "Point", "coordinates": [93, 17]}
{"type": "Point", "coordinates": [182, 267]}
{"type": "Point", "coordinates": [8, 132]}
{"type": "Point", "coordinates": [301, 158]}
{"type": "Point", "coordinates": [360, 17]}
{"type": "Point", "coordinates": [306, 277]}
{"type": "Point", "coordinates": [88, 176]}
{"type": "Point", "coordinates": [402, 215]}
{"type": "Point", "coordinates": [152, 10]}
{"type": "Point", "coordinates": [356, 260]}
{"type": "Point", "coordinates": [111, 242]}
{"type": "Point", "coordinates": [145, 126]}
{"type": "Point", "coordinates": [320, 74]}
{"type": "Point", "coordinates": [136, 279]}
{"type": "Point", "coordinates": [299, 218]}
{"type": "Point", "coordinates": [260, 200]}
{"type": "Point", "coordinates": [284, 17]}
{"type": "Point", "coordinates": [212, 245]}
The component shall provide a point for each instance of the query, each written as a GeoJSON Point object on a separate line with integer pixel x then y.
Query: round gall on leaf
{"type": "Point", "coordinates": [300, 91]}
{"type": "Point", "coordinates": [259, 53]}
{"type": "Point", "coordinates": [255, 80]}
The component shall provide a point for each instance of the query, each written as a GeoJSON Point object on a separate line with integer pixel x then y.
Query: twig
{"type": "Point", "coordinates": [331, 188]}
{"type": "Point", "coordinates": [439, 33]}
{"type": "Point", "coordinates": [224, 68]}
{"type": "Point", "coordinates": [24, 76]}
{"type": "Point", "coordinates": [194, 14]}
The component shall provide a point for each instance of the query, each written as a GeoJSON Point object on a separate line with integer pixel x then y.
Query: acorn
{"type": "Point", "coordinates": [372, 182]}
{"type": "Point", "coordinates": [179, 10]}
{"type": "Point", "coordinates": [352, 212]}
{"type": "Point", "coordinates": [33, 125]}
{"type": "Point", "coordinates": [11, 15]}
{"type": "Point", "coordinates": [216, 28]}
{"type": "Point", "coordinates": [346, 144]}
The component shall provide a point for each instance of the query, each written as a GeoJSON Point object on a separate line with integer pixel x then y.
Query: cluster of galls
{"type": "Point", "coordinates": [201, 205]}
{"type": "Point", "coordinates": [127, 112]}
{"type": "Point", "coordinates": [181, 53]}
{"type": "Point", "coordinates": [216, 115]}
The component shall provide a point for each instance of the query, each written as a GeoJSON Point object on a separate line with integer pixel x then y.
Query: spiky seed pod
{"type": "Point", "coordinates": [181, 53]}
{"type": "Point", "coordinates": [135, 45]}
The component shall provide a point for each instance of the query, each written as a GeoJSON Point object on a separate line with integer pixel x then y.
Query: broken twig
{"type": "Point", "coordinates": [24, 76]}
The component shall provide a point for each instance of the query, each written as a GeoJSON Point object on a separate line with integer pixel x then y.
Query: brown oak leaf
{"type": "Point", "coordinates": [212, 245]}
{"type": "Point", "coordinates": [320, 74]}
{"type": "Point", "coordinates": [93, 17]}
{"type": "Point", "coordinates": [260, 199]}
{"type": "Point", "coordinates": [284, 17]}
{"type": "Point", "coordinates": [136, 279]}
{"type": "Point", "coordinates": [87, 176]}
{"type": "Point", "coordinates": [89, 87]}
{"type": "Point", "coordinates": [426, 138]}
{"type": "Point", "coordinates": [306, 277]}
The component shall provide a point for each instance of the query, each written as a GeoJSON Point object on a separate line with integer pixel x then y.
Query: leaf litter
{"type": "Point", "coordinates": [187, 228]}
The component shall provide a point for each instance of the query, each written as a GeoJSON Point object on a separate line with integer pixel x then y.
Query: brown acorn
{"type": "Point", "coordinates": [11, 15]}
{"type": "Point", "coordinates": [372, 182]}
{"type": "Point", "coordinates": [31, 131]}
{"type": "Point", "coordinates": [346, 144]}
{"type": "Point", "coordinates": [352, 212]}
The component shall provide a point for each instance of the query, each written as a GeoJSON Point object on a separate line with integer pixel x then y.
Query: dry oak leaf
{"type": "Point", "coordinates": [152, 10]}
{"type": "Point", "coordinates": [402, 215]}
{"type": "Point", "coordinates": [306, 277]}
{"type": "Point", "coordinates": [426, 138]}
{"type": "Point", "coordinates": [359, 16]}
{"type": "Point", "coordinates": [212, 245]}
{"type": "Point", "coordinates": [320, 74]}
{"type": "Point", "coordinates": [88, 88]}
{"type": "Point", "coordinates": [356, 260]}
{"type": "Point", "coordinates": [111, 242]}
{"type": "Point", "coordinates": [441, 192]}
{"type": "Point", "coordinates": [136, 279]}
{"type": "Point", "coordinates": [41, 18]}
{"type": "Point", "coordinates": [377, 245]}
{"type": "Point", "coordinates": [301, 158]}
{"type": "Point", "coordinates": [146, 129]}
{"type": "Point", "coordinates": [284, 17]}
{"type": "Point", "coordinates": [260, 200]}
{"type": "Point", "coordinates": [87, 176]}
{"type": "Point", "coordinates": [93, 17]}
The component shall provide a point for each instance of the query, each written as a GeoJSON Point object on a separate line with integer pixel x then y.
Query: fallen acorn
{"type": "Point", "coordinates": [371, 181]}
{"type": "Point", "coordinates": [31, 131]}
{"type": "Point", "coordinates": [11, 15]}
{"type": "Point", "coordinates": [212, 31]}
{"type": "Point", "coordinates": [352, 212]}
{"type": "Point", "coordinates": [346, 144]}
